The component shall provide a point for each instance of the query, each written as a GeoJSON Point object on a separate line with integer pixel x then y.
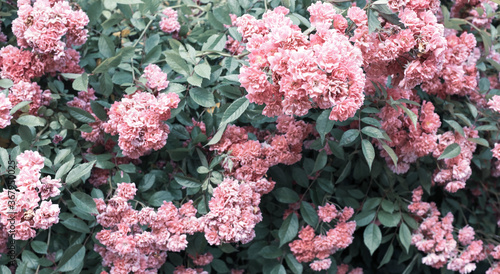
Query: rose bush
{"type": "Point", "coordinates": [245, 136]}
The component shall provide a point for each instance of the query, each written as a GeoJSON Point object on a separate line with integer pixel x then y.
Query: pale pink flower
{"type": "Point", "coordinates": [169, 22]}
{"type": "Point", "coordinates": [156, 78]}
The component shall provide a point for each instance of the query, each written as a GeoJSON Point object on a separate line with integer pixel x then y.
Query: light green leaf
{"type": "Point", "coordinates": [405, 236]}
{"type": "Point", "coordinates": [78, 172]}
{"type": "Point", "coordinates": [372, 237]}
{"type": "Point", "coordinates": [450, 151]}
{"type": "Point", "coordinates": [30, 121]}
{"type": "Point", "coordinates": [203, 70]}
{"type": "Point", "coordinates": [456, 126]}
{"type": "Point", "coordinates": [202, 97]}
{"type": "Point", "coordinates": [84, 202]}
{"type": "Point", "coordinates": [81, 115]}
{"type": "Point", "coordinates": [76, 225]}
{"type": "Point", "coordinates": [235, 110]}
{"type": "Point", "coordinates": [188, 182]}
{"type": "Point", "coordinates": [349, 136]}
{"type": "Point", "coordinates": [368, 152]}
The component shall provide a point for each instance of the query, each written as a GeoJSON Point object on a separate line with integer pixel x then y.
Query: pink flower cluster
{"type": "Point", "coordinates": [23, 65]}
{"type": "Point", "coordinates": [291, 73]}
{"type": "Point", "coordinates": [156, 79]}
{"type": "Point", "coordinates": [251, 159]}
{"type": "Point", "coordinates": [139, 121]}
{"type": "Point", "coordinates": [234, 212]}
{"type": "Point", "coordinates": [344, 268]}
{"type": "Point", "coordinates": [49, 27]}
{"type": "Point", "coordinates": [408, 140]}
{"type": "Point", "coordinates": [435, 237]}
{"type": "Point", "coordinates": [5, 107]}
{"type": "Point", "coordinates": [82, 101]}
{"type": "Point", "coordinates": [32, 209]}
{"type": "Point", "coordinates": [26, 91]}
{"type": "Point", "coordinates": [469, 8]}
{"type": "Point", "coordinates": [311, 246]}
{"type": "Point", "coordinates": [455, 171]}
{"type": "Point", "coordinates": [494, 103]}
{"type": "Point", "coordinates": [169, 22]}
{"type": "Point", "coordinates": [138, 241]}
{"type": "Point", "coordinates": [458, 71]}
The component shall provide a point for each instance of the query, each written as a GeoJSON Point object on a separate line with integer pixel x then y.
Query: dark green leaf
{"type": "Point", "coordinates": [292, 263]}
{"type": "Point", "coordinates": [39, 247]}
{"type": "Point", "coordinates": [320, 162]}
{"type": "Point", "coordinates": [78, 172]}
{"type": "Point", "coordinates": [288, 229]}
{"type": "Point", "coordinates": [81, 115]}
{"type": "Point", "coordinates": [349, 137]}
{"type": "Point", "coordinates": [72, 258]}
{"type": "Point", "coordinates": [285, 195]}
{"type": "Point", "coordinates": [76, 225]}
{"type": "Point", "coordinates": [389, 219]}
{"type": "Point", "coordinates": [456, 126]}
{"type": "Point", "coordinates": [235, 110]}
{"type": "Point", "coordinates": [308, 213]}
{"type": "Point", "coordinates": [270, 252]}
{"type": "Point", "coordinates": [405, 236]}
{"type": "Point", "coordinates": [188, 182]}
{"type": "Point", "coordinates": [160, 196]}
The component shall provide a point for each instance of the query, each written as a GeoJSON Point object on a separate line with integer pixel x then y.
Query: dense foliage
{"type": "Point", "coordinates": [246, 136]}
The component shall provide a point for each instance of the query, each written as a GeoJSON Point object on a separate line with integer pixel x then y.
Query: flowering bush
{"type": "Point", "coordinates": [147, 136]}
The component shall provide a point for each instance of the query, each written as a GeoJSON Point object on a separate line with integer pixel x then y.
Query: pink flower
{"type": "Point", "coordinates": [321, 264]}
{"type": "Point", "coordinates": [202, 259]}
{"type": "Point", "coordinates": [156, 79]}
{"type": "Point", "coordinates": [46, 215]}
{"type": "Point", "coordinates": [327, 213]}
{"type": "Point", "coordinates": [5, 107]}
{"type": "Point", "coordinates": [494, 103]}
{"type": "Point", "coordinates": [126, 191]}
{"type": "Point", "coordinates": [169, 23]}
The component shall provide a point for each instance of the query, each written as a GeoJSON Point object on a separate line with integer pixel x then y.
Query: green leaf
{"type": "Point", "coordinates": [387, 256]}
{"type": "Point", "coordinates": [30, 258]}
{"type": "Point", "coordinates": [84, 202]}
{"type": "Point", "coordinates": [292, 263]}
{"type": "Point", "coordinates": [6, 83]}
{"type": "Point", "coordinates": [308, 213]}
{"type": "Point", "coordinates": [106, 46]}
{"type": "Point", "coordinates": [323, 124]}
{"type": "Point", "coordinates": [368, 152]}
{"type": "Point", "coordinates": [19, 106]}
{"type": "Point", "coordinates": [221, 13]}
{"type": "Point", "coordinates": [61, 154]}
{"type": "Point", "coordinates": [372, 132]}
{"type": "Point", "coordinates": [388, 206]}
{"type": "Point", "coordinates": [349, 136]}
{"type": "Point", "coordinates": [235, 110]}
{"type": "Point", "coordinates": [78, 172]}
{"type": "Point", "coordinates": [178, 64]}
{"type": "Point", "coordinates": [372, 203]}
{"type": "Point", "coordinates": [128, 2]}
{"type": "Point", "coordinates": [147, 182]}
{"type": "Point", "coordinates": [202, 97]}
{"type": "Point", "coordinates": [81, 115]}
{"type": "Point", "coordinates": [98, 110]}
{"type": "Point", "coordinates": [405, 236]}
{"type": "Point", "coordinates": [288, 229]}
{"type": "Point", "coordinates": [30, 121]}
{"type": "Point", "coordinates": [411, 114]}
{"type": "Point", "coordinates": [216, 42]}
{"type": "Point", "coordinates": [107, 64]}
{"type": "Point", "coordinates": [300, 177]}
{"type": "Point", "coordinates": [371, 121]}
{"type": "Point", "coordinates": [389, 219]}
{"type": "Point", "coordinates": [203, 70]}
{"type": "Point", "coordinates": [219, 266]}
{"type": "Point", "coordinates": [195, 80]}
{"type": "Point", "coordinates": [39, 247]}
{"type": "Point", "coordinates": [451, 151]}
{"type": "Point", "coordinates": [372, 237]}
{"type": "Point", "coordinates": [76, 225]}
{"type": "Point", "coordinates": [456, 126]}
{"type": "Point", "coordinates": [160, 196]}
{"type": "Point", "coordinates": [320, 162]}
{"type": "Point", "coordinates": [217, 135]}
{"type": "Point", "coordinates": [63, 169]}
{"type": "Point", "coordinates": [373, 22]}
{"type": "Point", "coordinates": [391, 153]}
{"type": "Point", "coordinates": [364, 218]}
{"type": "Point", "coordinates": [5, 270]}
{"type": "Point", "coordinates": [270, 252]}
{"type": "Point", "coordinates": [188, 182]}
{"type": "Point", "coordinates": [72, 258]}
{"type": "Point", "coordinates": [152, 42]}
{"type": "Point", "coordinates": [285, 195]}
{"type": "Point", "coordinates": [278, 269]}
{"type": "Point", "coordinates": [479, 141]}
